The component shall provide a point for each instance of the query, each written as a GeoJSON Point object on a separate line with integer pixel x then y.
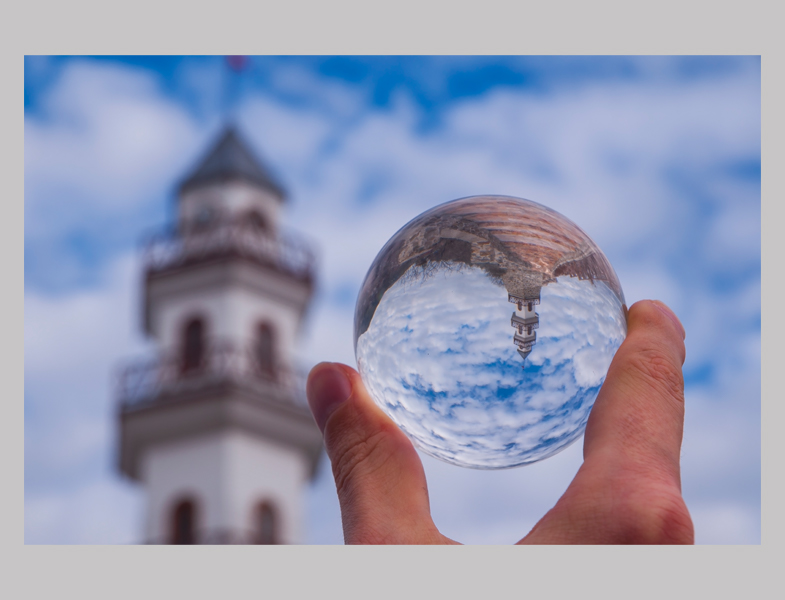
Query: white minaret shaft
{"type": "Point", "coordinates": [216, 428]}
{"type": "Point", "coordinates": [525, 321]}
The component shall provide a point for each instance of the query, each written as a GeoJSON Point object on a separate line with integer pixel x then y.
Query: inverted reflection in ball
{"type": "Point", "coordinates": [485, 327]}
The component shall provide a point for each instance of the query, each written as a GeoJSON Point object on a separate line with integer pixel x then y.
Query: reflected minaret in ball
{"type": "Point", "coordinates": [525, 321]}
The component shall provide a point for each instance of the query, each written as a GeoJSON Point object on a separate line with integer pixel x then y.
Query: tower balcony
{"type": "Point", "coordinates": [520, 323]}
{"type": "Point", "coordinates": [178, 247]}
{"type": "Point", "coordinates": [524, 302]}
{"type": "Point", "coordinates": [525, 342]}
{"type": "Point", "coordinates": [169, 377]}
{"type": "Point", "coordinates": [225, 387]}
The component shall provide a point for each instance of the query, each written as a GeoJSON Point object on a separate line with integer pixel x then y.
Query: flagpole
{"type": "Point", "coordinates": [235, 64]}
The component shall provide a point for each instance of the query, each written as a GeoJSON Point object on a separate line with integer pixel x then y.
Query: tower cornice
{"type": "Point", "coordinates": [225, 404]}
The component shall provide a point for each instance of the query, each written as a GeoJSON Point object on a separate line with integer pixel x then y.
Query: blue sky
{"type": "Point", "coordinates": [657, 158]}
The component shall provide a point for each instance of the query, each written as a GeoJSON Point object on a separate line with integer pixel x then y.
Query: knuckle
{"type": "Point", "coordinates": [357, 456]}
{"type": "Point", "coordinates": [655, 517]}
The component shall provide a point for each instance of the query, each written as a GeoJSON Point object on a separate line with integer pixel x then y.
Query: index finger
{"type": "Point", "coordinates": [638, 417]}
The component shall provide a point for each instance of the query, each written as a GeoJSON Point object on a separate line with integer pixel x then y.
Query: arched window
{"type": "Point", "coordinates": [205, 218]}
{"type": "Point", "coordinates": [264, 350]}
{"type": "Point", "coordinates": [184, 522]}
{"type": "Point", "coordinates": [193, 346]}
{"type": "Point", "coordinates": [266, 523]}
{"type": "Point", "coordinates": [256, 221]}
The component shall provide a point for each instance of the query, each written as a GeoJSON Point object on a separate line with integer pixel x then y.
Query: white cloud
{"type": "Point", "coordinates": [107, 141]}
{"type": "Point", "coordinates": [327, 335]}
{"type": "Point", "coordinates": [75, 340]}
{"type": "Point", "coordinates": [296, 135]}
{"type": "Point", "coordinates": [96, 512]}
{"type": "Point", "coordinates": [610, 145]}
{"type": "Point", "coordinates": [726, 523]}
{"type": "Point", "coordinates": [734, 238]}
{"type": "Point", "coordinates": [59, 449]}
{"type": "Point", "coordinates": [335, 100]}
{"type": "Point", "coordinates": [72, 348]}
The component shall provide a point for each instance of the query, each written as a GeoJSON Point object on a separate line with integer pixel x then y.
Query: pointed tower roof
{"type": "Point", "coordinates": [230, 158]}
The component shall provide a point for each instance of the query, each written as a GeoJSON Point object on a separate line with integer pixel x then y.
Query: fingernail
{"type": "Point", "coordinates": [328, 388]}
{"type": "Point", "coordinates": [670, 314]}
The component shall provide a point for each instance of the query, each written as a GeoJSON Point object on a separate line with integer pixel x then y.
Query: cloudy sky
{"type": "Point", "coordinates": [657, 159]}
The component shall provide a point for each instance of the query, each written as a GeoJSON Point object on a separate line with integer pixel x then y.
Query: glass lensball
{"type": "Point", "coordinates": [484, 329]}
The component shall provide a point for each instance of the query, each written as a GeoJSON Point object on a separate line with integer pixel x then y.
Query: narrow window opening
{"type": "Point", "coordinates": [205, 218]}
{"type": "Point", "coordinates": [193, 349]}
{"type": "Point", "coordinates": [256, 221]}
{"type": "Point", "coordinates": [266, 524]}
{"type": "Point", "coordinates": [265, 350]}
{"type": "Point", "coordinates": [184, 523]}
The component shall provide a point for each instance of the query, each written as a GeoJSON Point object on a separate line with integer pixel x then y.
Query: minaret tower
{"type": "Point", "coordinates": [525, 321]}
{"type": "Point", "coordinates": [216, 426]}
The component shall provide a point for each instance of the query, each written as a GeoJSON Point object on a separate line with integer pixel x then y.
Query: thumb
{"type": "Point", "coordinates": [628, 489]}
{"type": "Point", "coordinates": [378, 474]}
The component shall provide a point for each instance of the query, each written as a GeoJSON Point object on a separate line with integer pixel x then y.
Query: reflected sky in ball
{"type": "Point", "coordinates": [438, 358]}
{"type": "Point", "coordinates": [485, 328]}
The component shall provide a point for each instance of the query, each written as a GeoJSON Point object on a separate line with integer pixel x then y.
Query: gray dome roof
{"type": "Point", "coordinates": [230, 158]}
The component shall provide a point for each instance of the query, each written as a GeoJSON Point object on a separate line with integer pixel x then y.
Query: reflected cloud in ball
{"type": "Point", "coordinates": [485, 328]}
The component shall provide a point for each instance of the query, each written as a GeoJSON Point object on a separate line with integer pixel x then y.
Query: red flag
{"type": "Point", "coordinates": [236, 63]}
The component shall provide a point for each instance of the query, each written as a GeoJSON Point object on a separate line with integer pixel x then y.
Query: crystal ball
{"type": "Point", "coordinates": [485, 328]}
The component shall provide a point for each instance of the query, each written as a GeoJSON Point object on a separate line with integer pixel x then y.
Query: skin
{"type": "Point", "coordinates": [627, 491]}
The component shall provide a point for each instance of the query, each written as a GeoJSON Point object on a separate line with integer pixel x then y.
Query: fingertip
{"type": "Point", "coordinates": [653, 321]}
{"type": "Point", "coordinates": [661, 306]}
{"type": "Point", "coordinates": [378, 474]}
{"type": "Point", "coordinates": [651, 312]}
{"type": "Point", "coordinates": [328, 387]}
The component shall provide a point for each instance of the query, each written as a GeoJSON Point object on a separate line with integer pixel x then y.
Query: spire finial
{"type": "Point", "coordinates": [236, 65]}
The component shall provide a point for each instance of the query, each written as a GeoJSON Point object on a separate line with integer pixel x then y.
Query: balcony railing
{"type": "Point", "coordinates": [147, 382]}
{"type": "Point", "coordinates": [173, 248]}
{"type": "Point", "coordinates": [524, 342]}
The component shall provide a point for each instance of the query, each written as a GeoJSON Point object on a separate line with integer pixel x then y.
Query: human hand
{"type": "Point", "coordinates": [627, 491]}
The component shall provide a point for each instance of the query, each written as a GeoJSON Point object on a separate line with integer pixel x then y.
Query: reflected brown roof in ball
{"type": "Point", "coordinates": [520, 244]}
